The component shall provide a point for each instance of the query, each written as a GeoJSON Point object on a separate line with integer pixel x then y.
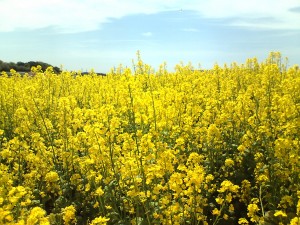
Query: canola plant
{"type": "Point", "coordinates": [219, 146]}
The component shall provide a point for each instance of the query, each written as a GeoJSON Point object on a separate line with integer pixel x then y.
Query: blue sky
{"type": "Point", "coordinates": [86, 34]}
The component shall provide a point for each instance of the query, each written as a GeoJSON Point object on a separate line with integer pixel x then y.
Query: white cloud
{"type": "Point", "coordinates": [85, 15]}
{"type": "Point", "coordinates": [190, 30]}
{"type": "Point", "coordinates": [66, 15]}
{"type": "Point", "coordinates": [247, 13]}
{"type": "Point", "coordinates": [147, 34]}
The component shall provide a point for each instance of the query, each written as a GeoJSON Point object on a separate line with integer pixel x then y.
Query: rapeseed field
{"type": "Point", "coordinates": [219, 146]}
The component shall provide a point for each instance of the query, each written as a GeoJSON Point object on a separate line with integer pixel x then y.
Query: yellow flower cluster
{"type": "Point", "coordinates": [69, 215]}
{"type": "Point", "coordinates": [217, 146]}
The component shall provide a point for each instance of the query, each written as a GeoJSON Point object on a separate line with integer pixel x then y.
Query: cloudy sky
{"type": "Point", "coordinates": [101, 34]}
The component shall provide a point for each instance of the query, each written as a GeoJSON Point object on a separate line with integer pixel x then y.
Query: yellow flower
{"type": "Point", "coordinates": [241, 148]}
{"type": "Point", "coordinates": [69, 215]}
{"type": "Point", "coordinates": [243, 221]}
{"type": "Point", "coordinates": [99, 221]}
{"type": "Point", "coordinates": [108, 207]}
{"type": "Point", "coordinates": [213, 132]}
{"type": "Point", "coordinates": [229, 162]}
{"type": "Point", "coordinates": [96, 205]}
{"type": "Point", "coordinates": [20, 222]}
{"type": "Point", "coordinates": [298, 207]}
{"type": "Point", "coordinates": [216, 212]}
{"type": "Point", "coordinates": [252, 212]}
{"type": "Point", "coordinates": [295, 221]}
{"type": "Point", "coordinates": [37, 215]}
{"type": "Point", "coordinates": [262, 178]}
{"type": "Point", "coordinates": [9, 218]}
{"type": "Point", "coordinates": [99, 191]}
{"type": "Point", "coordinates": [209, 178]}
{"type": "Point", "coordinates": [280, 213]}
{"type": "Point", "coordinates": [219, 200]}
{"type": "Point", "coordinates": [252, 209]}
{"type": "Point", "coordinates": [52, 176]}
{"type": "Point", "coordinates": [228, 185]}
{"type": "Point", "coordinates": [179, 141]}
{"type": "Point", "coordinates": [228, 197]}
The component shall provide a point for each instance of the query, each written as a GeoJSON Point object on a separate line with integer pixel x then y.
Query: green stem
{"type": "Point", "coordinates": [261, 203]}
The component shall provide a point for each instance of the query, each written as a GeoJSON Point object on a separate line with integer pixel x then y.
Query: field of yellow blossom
{"type": "Point", "coordinates": [219, 146]}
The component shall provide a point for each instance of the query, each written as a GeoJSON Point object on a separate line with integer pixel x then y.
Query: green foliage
{"type": "Point", "coordinates": [25, 67]}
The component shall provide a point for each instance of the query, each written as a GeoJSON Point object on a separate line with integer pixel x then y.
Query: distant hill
{"type": "Point", "coordinates": [25, 66]}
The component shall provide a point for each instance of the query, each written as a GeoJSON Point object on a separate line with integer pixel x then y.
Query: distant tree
{"type": "Point", "coordinates": [1, 65]}
{"type": "Point", "coordinates": [25, 67]}
{"type": "Point", "coordinates": [12, 65]}
{"type": "Point", "coordinates": [56, 69]}
{"type": "Point", "coordinates": [4, 67]}
{"type": "Point", "coordinates": [20, 64]}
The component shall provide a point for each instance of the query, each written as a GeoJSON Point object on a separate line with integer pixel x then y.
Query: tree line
{"type": "Point", "coordinates": [25, 66]}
